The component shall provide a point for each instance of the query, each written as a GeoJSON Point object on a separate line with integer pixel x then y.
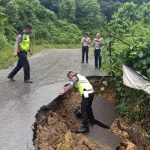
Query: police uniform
{"type": "Point", "coordinates": [97, 52]}
{"type": "Point", "coordinates": [85, 48]}
{"type": "Point", "coordinates": [87, 93]}
{"type": "Point", "coordinates": [24, 47]}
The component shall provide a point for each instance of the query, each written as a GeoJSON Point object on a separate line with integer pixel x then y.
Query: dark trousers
{"type": "Point", "coordinates": [98, 58]}
{"type": "Point", "coordinates": [86, 109]}
{"type": "Point", "coordinates": [85, 51]}
{"type": "Point", "coordinates": [22, 62]}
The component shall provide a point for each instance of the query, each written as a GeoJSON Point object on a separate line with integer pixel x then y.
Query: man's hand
{"type": "Point", "coordinates": [65, 89]}
{"type": "Point", "coordinates": [62, 92]}
{"type": "Point", "coordinates": [30, 53]}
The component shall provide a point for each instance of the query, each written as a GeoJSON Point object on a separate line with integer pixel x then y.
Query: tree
{"type": "Point", "coordinates": [67, 9]}
{"type": "Point", "coordinates": [3, 19]}
{"type": "Point", "coordinates": [88, 16]}
{"type": "Point", "coordinates": [4, 2]}
{"type": "Point", "coordinates": [108, 7]}
{"type": "Point", "coordinates": [53, 5]}
{"type": "Point", "coordinates": [128, 15]}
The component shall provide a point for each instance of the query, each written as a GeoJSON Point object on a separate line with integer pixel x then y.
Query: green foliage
{"type": "Point", "coordinates": [88, 16]}
{"type": "Point", "coordinates": [128, 15]}
{"type": "Point", "coordinates": [131, 23]}
{"type": "Point", "coordinates": [108, 7]}
{"type": "Point", "coordinates": [44, 22]}
{"type": "Point", "coordinates": [3, 20]}
{"type": "Point", "coordinates": [67, 10]}
{"type": "Point", "coordinates": [61, 23]}
{"type": "Point", "coordinates": [53, 5]}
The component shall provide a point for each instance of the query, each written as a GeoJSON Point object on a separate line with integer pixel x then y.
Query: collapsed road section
{"type": "Point", "coordinates": [54, 121]}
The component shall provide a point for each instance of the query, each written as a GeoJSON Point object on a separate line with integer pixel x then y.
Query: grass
{"type": "Point", "coordinates": [7, 58]}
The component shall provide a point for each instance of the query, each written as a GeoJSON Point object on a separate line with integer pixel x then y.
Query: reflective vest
{"type": "Point", "coordinates": [25, 42]}
{"type": "Point", "coordinates": [83, 84]}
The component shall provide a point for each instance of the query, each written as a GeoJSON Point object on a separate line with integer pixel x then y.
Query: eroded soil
{"type": "Point", "coordinates": [53, 131]}
{"type": "Point", "coordinates": [54, 122]}
{"type": "Point", "coordinates": [133, 136]}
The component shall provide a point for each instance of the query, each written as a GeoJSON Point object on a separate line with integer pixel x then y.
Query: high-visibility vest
{"type": "Point", "coordinates": [25, 42]}
{"type": "Point", "coordinates": [83, 84]}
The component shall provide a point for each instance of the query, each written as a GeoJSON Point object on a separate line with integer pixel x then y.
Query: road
{"type": "Point", "coordinates": [19, 101]}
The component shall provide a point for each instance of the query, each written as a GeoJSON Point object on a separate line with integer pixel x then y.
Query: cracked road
{"type": "Point", "coordinates": [19, 101]}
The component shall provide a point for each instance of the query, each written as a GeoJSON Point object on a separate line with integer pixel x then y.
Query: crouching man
{"type": "Point", "coordinates": [86, 91]}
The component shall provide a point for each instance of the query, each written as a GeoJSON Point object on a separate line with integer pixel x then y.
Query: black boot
{"type": "Point", "coordinates": [28, 81]}
{"type": "Point", "coordinates": [11, 79]}
{"type": "Point", "coordinates": [82, 130]}
{"type": "Point", "coordinates": [92, 122]}
{"type": "Point", "coordinates": [77, 112]}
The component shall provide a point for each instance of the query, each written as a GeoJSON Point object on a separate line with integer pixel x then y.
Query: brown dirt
{"type": "Point", "coordinates": [133, 136]}
{"type": "Point", "coordinates": [54, 133]}
{"type": "Point", "coordinates": [53, 124]}
{"type": "Point", "coordinates": [54, 121]}
{"type": "Point", "coordinates": [104, 87]}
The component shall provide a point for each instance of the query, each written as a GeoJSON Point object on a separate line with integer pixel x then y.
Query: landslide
{"type": "Point", "coordinates": [54, 122]}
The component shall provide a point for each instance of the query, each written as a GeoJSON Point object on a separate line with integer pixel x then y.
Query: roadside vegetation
{"type": "Point", "coordinates": [61, 24]}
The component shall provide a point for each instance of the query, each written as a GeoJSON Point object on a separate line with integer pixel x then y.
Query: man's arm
{"type": "Point", "coordinates": [89, 40]}
{"type": "Point", "coordinates": [102, 41]}
{"type": "Point", "coordinates": [65, 89]}
{"type": "Point", "coordinates": [17, 44]}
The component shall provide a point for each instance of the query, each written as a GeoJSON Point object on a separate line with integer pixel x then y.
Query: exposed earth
{"type": "Point", "coordinates": [20, 102]}
{"type": "Point", "coordinates": [54, 122]}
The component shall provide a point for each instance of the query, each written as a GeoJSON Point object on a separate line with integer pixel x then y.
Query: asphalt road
{"type": "Point", "coordinates": [19, 101]}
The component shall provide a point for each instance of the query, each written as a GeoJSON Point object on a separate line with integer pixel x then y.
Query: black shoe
{"type": "Point", "coordinates": [11, 79]}
{"type": "Point", "coordinates": [92, 122]}
{"type": "Point", "coordinates": [96, 67]}
{"type": "Point", "coordinates": [82, 61]}
{"type": "Point", "coordinates": [82, 130]}
{"type": "Point", "coordinates": [28, 81]}
{"type": "Point", "coordinates": [87, 62]}
{"type": "Point", "coordinates": [77, 112]}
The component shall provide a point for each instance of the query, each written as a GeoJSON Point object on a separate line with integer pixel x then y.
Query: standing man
{"type": "Point", "coordinates": [86, 91]}
{"type": "Point", "coordinates": [85, 48]}
{"type": "Point", "coordinates": [97, 44]}
{"type": "Point", "coordinates": [22, 47]}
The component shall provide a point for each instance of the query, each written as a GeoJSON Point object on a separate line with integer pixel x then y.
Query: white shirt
{"type": "Point", "coordinates": [97, 43]}
{"type": "Point", "coordinates": [85, 41]}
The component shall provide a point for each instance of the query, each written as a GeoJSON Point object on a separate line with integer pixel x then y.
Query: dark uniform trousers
{"type": "Point", "coordinates": [22, 62]}
{"type": "Point", "coordinates": [85, 51]}
{"type": "Point", "coordinates": [98, 58]}
{"type": "Point", "coordinates": [86, 109]}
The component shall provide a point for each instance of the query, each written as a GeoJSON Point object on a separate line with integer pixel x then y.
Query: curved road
{"type": "Point", "coordinates": [19, 102]}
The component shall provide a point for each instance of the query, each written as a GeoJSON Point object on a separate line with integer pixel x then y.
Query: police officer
{"type": "Point", "coordinates": [98, 43]}
{"type": "Point", "coordinates": [22, 47]}
{"type": "Point", "coordinates": [85, 47]}
{"type": "Point", "coordinates": [86, 91]}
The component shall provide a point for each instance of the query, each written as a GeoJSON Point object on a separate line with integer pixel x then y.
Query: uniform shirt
{"type": "Point", "coordinates": [21, 38]}
{"type": "Point", "coordinates": [85, 41]}
{"type": "Point", "coordinates": [97, 43]}
{"type": "Point", "coordinates": [81, 84]}
{"type": "Point", "coordinates": [18, 40]}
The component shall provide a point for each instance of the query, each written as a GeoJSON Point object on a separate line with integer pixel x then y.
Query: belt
{"type": "Point", "coordinates": [89, 91]}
